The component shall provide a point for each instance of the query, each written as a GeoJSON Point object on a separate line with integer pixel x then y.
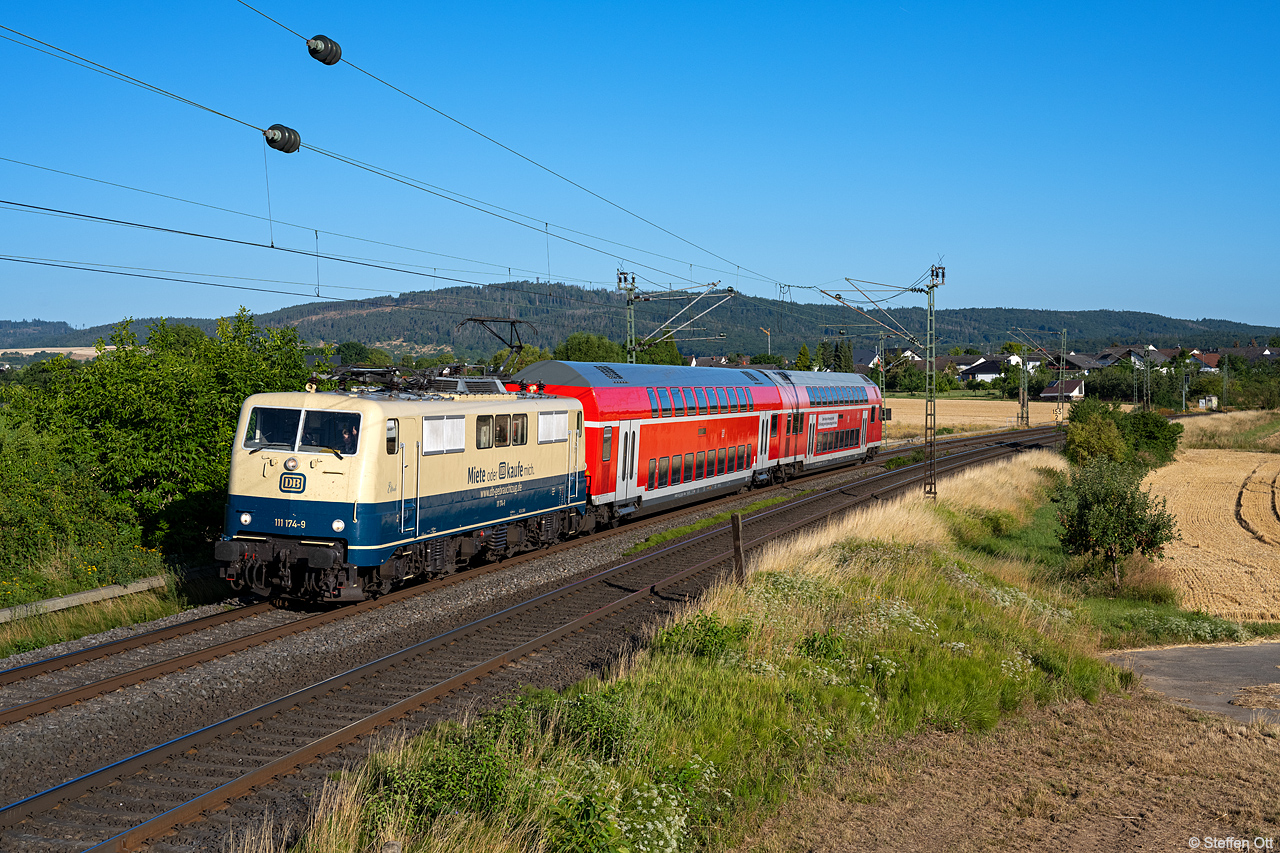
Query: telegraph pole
{"type": "Point", "coordinates": [628, 286]}
{"type": "Point", "coordinates": [937, 278]}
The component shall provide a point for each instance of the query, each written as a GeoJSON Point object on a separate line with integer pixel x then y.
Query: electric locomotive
{"type": "Point", "coordinates": [338, 496]}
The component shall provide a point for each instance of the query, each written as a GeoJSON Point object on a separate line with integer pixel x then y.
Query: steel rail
{"type": "Point", "coordinates": [44, 801]}
{"type": "Point", "coordinates": [72, 696]}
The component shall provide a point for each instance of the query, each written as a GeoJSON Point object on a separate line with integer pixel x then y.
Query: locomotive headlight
{"type": "Point", "coordinates": [291, 464]}
{"type": "Point", "coordinates": [339, 525]}
{"type": "Point", "coordinates": [245, 518]}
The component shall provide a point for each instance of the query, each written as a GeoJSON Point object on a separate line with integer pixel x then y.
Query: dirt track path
{"type": "Point", "coordinates": [1130, 773]}
{"type": "Point", "coordinates": [1221, 565]}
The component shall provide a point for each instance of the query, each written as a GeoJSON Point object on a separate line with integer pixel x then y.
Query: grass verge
{"type": "Point", "coordinates": [876, 626]}
{"type": "Point", "coordinates": [47, 629]}
{"type": "Point", "coordinates": [1245, 430]}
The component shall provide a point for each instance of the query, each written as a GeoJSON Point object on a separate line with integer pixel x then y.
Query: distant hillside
{"type": "Point", "coordinates": [421, 321]}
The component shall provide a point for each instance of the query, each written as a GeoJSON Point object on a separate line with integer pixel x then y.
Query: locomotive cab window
{"type": "Point", "coordinates": [484, 432]}
{"type": "Point", "coordinates": [606, 452]}
{"type": "Point", "coordinates": [272, 428]}
{"type": "Point", "coordinates": [501, 430]}
{"type": "Point", "coordinates": [393, 436]}
{"type": "Point", "coordinates": [519, 430]}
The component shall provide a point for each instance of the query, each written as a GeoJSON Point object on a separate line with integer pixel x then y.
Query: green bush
{"type": "Point", "coordinates": [703, 636]}
{"type": "Point", "coordinates": [1098, 437]}
{"type": "Point", "coordinates": [1105, 513]}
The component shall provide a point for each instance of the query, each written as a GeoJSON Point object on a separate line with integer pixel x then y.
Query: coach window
{"type": "Point", "coordinates": [724, 402]}
{"type": "Point", "coordinates": [719, 461]}
{"type": "Point", "coordinates": [683, 407]}
{"type": "Point", "coordinates": [690, 402]}
{"type": "Point", "coordinates": [873, 414]}
{"type": "Point", "coordinates": [653, 402]}
{"type": "Point", "coordinates": [675, 469]}
{"type": "Point", "coordinates": [751, 400]}
{"type": "Point", "coordinates": [519, 430]}
{"type": "Point", "coordinates": [711, 401]}
{"type": "Point", "coordinates": [393, 436]}
{"type": "Point", "coordinates": [501, 430]}
{"type": "Point", "coordinates": [733, 399]}
{"type": "Point", "coordinates": [606, 452]}
{"type": "Point", "coordinates": [653, 473]}
{"type": "Point", "coordinates": [728, 465]}
{"type": "Point", "coordinates": [857, 435]}
{"type": "Point", "coordinates": [700, 471]}
{"type": "Point", "coordinates": [702, 399]}
{"type": "Point", "coordinates": [688, 467]}
{"type": "Point", "coordinates": [484, 432]}
{"type": "Point", "coordinates": [773, 425]}
{"type": "Point", "coordinates": [664, 400]}
{"type": "Point", "coordinates": [742, 456]}
{"type": "Point", "coordinates": [664, 466]}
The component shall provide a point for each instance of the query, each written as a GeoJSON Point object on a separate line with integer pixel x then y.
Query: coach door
{"type": "Point", "coordinates": [813, 426]}
{"type": "Point", "coordinates": [862, 436]}
{"type": "Point", "coordinates": [575, 436]}
{"type": "Point", "coordinates": [626, 487]}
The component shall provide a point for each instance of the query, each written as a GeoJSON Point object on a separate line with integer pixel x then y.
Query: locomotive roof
{"type": "Point", "coordinates": [588, 374]}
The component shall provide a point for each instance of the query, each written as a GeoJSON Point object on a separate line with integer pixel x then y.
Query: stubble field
{"type": "Point", "coordinates": [961, 415]}
{"type": "Point", "coordinates": [1228, 560]}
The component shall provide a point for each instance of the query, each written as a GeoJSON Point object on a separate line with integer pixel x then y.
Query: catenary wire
{"type": "Point", "coordinates": [507, 148]}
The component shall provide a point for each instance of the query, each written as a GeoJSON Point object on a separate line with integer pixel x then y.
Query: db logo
{"type": "Point", "coordinates": [295, 483]}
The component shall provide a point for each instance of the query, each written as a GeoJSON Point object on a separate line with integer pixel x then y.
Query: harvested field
{"type": "Point", "coordinates": [961, 415]}
{"type": "Point", "coordinates": [1228, 561]}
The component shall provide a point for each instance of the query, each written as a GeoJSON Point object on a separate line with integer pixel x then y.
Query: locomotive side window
{"type": "Point", "coordinates": [688, 467]}
{"type": "Point", "coordinates": [519, 430]}
{"type": "Point", "coordinates": [724, 403]}
{"type": "Point", "coordinates": [393, 436]}
{"type": "Point", "coordinates": [553, 427]}
{"type": "Point", "coordinates": [701, 470]}
{"type": "Point", "coordinates": [501, 430]}
{"type": "Point", "coordinates": [443, 435]}
{"type": "Point", "coordinates": [607, 453]}
{"type": "Point", "coordinates": [664, 399]}
{"type": "Point", "coordinates": [702, 400]}
{"type": "Point", "coordinates": [653, 473]}
{"type": "Point", "coordinates": [484, 432]}
{"type": "Point", "coordinates": [653, 403]}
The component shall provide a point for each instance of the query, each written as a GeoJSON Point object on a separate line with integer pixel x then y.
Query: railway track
{"type": "Point", "coordinates": [148, 794]}
{"type": "Point", "coordinates": [33, 695]}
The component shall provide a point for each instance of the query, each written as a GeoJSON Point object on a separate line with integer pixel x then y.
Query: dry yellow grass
{"type": "Point", "coordinates": [1007, 486]}
{"type": "Point", "coordinates": [1219, 565]}
{"type": "Point", "coordinates": [1248, 430]}
{"type": "Point", "coordinates": [962, 415]}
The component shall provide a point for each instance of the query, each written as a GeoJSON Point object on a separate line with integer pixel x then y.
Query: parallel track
{"type": "Point", "coordinates": [87, 690]}
{"type": "Point", "coordinates": [206, 769]}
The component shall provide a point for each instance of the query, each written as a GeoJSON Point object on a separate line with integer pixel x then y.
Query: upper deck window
{"type": "Point", "coordinates": [724, 403]}
{"type": "Point", "coordinates": [664, 399]}
{"type": "Point", "coordinates": [702, 400]}
{"type": "Point", "coordinates": [690, 402]}
{"type": "Point", "coordinates": [300, 431]}
{"type": "Point", "coordinates": [653, 402]}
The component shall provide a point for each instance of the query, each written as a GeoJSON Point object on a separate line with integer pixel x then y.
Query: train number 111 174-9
{"type": "Point", "coordinates": [291, 522]}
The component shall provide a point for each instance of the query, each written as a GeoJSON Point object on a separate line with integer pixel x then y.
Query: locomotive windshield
{"type": "Point", "coordinates": [305, 432]}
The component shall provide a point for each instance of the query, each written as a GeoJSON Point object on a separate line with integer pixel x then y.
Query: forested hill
{"type": "Point", "coordinates": [427, 319]}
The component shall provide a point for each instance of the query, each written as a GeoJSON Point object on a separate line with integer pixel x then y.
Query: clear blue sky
{"type": "Point", "coordinates": [1068, 156]}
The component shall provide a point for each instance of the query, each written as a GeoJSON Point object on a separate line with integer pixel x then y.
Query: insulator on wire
{"type": "Point", "coordinates": [283, 138]}
{"type": "Point", "coordinates": [324, 49]}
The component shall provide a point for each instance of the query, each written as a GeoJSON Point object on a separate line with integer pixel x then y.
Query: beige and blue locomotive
{"type": "Point", "coordinates": [339, 496]}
